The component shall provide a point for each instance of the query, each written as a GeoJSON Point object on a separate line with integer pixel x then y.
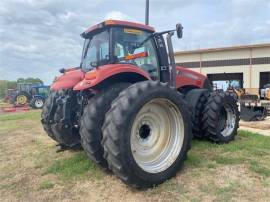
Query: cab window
{"type": "Point", "coordinates": [128, 42]}
{"type": "Point", "coordinates": [96, 51]}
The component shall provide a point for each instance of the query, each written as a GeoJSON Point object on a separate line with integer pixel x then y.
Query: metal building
{"type": "Point", "coordinates": [249, 65]}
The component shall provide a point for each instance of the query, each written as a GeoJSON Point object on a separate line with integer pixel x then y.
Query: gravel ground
{"type": "Point", "coordinates": [262, 127]}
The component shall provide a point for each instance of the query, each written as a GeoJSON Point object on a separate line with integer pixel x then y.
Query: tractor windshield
{"type": "Point", "coordinates": [132, 46]}
{"type": "Point", "coordinates": [96, 51]}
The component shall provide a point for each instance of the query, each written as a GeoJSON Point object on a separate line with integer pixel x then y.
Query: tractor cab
{"type": "Point", "coordinates": [118, 42]}
{"type": "Point", "coordinates": [124, 51]}
{"type": "Point", "coordinates": [42, 91]}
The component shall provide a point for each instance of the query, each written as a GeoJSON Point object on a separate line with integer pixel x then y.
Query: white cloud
{"type": "Point", "coordinates": [117, 15]}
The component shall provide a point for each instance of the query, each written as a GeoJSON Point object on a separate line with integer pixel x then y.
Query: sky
{"type": "Point", "coordinates": [38, 37]}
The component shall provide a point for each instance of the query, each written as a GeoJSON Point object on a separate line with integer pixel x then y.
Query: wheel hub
{"type": "Point", "coordinates": [227, 121]}
{"type": "Point", "coordinates": [21, 99]}
{"type": "Point", "coordinates": [145, 132]}
{"type": "Point", "coordinates": [38, 103]}
{"type": "Point", "coordinates": [157, 135]}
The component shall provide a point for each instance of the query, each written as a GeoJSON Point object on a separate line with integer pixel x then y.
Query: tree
{"type": "Point", "coordinates": [4, 85]}
{"type": "Point", "coordinates": [29, 80]}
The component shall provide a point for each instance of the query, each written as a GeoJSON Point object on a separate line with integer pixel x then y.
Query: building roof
{"type": "Point", "coordinates": [203, 50]}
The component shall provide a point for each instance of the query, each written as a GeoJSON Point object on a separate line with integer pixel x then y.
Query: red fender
{"type": "Point", "coordinates": [188, 77]}
{"type": "Point", "coordinates": [96, 76]}
{"type": "Point", "coordinates": [68, 80]}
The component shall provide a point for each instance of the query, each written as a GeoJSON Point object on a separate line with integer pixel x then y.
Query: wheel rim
{"type": "Point", "coordinates": [21, 99]}
{"type": "Point", "coordinates": [157, 135]}
{"type": "Point", "coordinates": [227, 120]}
{"type": "Point", "coordinates": [38, 103]}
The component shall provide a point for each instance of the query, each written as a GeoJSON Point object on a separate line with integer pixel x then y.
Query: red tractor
{"type": "Point", "coordinates": [131, 108]}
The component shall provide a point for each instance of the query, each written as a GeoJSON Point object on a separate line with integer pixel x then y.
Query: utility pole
{"type": "Point", "coordinates": [147, 12]}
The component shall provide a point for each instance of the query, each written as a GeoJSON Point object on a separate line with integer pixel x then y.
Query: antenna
{"type": "Point", "coordinates": [147, 12]}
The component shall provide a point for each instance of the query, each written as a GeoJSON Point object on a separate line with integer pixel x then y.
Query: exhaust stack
{"type": "Point", "coordinates": [147, 12]}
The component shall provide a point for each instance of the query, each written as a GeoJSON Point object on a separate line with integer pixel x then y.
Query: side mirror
{"type": "Point", "coordinates": [179, 30]}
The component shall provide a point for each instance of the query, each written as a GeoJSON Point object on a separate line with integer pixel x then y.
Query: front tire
{"type": "Point", "coordinates": [65, 132]}
{"type": "Point", "coordinates": [47, 114]}
{"type": "Point", "coordinates": [52, 120]}
{"type": "Point", "coordinates": [147, 134]}
{"type": "Point", "coordinates": [37, 103]}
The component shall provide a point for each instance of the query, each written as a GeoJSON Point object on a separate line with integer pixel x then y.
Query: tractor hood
{"type": "Point", "coordinates": [188, 77]}
{"type": "Point", "coordinates": [68, 80]}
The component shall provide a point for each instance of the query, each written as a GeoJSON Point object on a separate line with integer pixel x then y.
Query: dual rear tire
{"type": "Point", "coordinates": [221, 117]}
{"type": "Point", "coordinates": [215, 115]}
{"type": "Point", "coordinates": [145, 134]}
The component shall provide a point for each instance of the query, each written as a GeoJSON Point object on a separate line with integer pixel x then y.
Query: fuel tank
{"type": "Point", "coordinates": [68, 80]}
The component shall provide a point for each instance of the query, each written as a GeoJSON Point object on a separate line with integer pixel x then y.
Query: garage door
{"type": "Point", "coordinates": [264, 78]}
{"type": "Point", "coordinates": [225, 80]}
{"type": "Point", "coordinates": [225, 76]}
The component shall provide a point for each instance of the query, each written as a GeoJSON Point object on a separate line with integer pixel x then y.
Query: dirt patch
{"type": "Point", "coordinates": [262, 127]}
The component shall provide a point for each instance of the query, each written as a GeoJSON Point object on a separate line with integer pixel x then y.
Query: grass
{"type": "Point", "coordinates": [247, 148]}
{"type": "Point", "coordinates": [11, 121]}
{"type": "Point", "coordinates": [46, 184]}
{"type": "Point", "coordinates": [259, 168]}
{"type": "Point", "coordinates": [75, 167]}
{"type": "Point", "coordinates": [31, 115]}
{"type": "Point", "coordinates": [225, 193]}
{"type": "Point", "coordinates": [211, 172]}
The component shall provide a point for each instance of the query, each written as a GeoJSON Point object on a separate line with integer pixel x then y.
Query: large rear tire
{"type": "Point", "coordinates": [22, 98]}
{"type": "Point", "coordinates": [221, 117]}
{"type": "Point", "coordinates": [92, 120]}
{"type": "Point", "coordinates": [147, 134]}
{"type": "Point", "coordinates": [197, 100]}
{"type": "Point", "coordinates": [197, 128]}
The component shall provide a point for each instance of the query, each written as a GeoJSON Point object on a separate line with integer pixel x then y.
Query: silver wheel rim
{"type": "Point", "coordinates": [157, 135]}
{"type": "Point", "coordinates": [38, 103]}
{"type": "Point", "coordinates": [230, 121]}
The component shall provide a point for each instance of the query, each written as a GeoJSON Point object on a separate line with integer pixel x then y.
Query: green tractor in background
{"type": "Point", "coordinates": [33, 94]}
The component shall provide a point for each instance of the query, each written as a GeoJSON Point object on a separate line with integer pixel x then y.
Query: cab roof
{"type": "Point", "coordinates": [117, 23]}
